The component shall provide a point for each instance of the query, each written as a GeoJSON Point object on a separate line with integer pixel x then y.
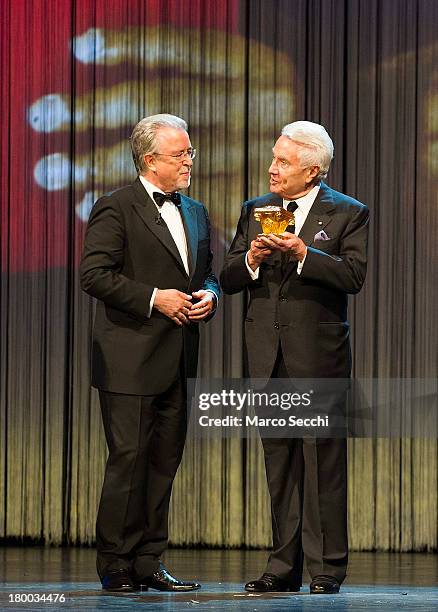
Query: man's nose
{"type": "Point", "coordinates": [273, 168]}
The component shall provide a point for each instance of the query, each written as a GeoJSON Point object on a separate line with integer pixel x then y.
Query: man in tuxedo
{"type": "Point", "coordinates": [147, 260]}
{"type": "Point", "coordinates": [296, 327]}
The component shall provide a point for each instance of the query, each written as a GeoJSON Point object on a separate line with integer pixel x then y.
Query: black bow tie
{"type": "Point", "coordinates": [160, 198]}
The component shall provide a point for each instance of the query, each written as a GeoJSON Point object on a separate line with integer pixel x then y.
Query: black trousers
{"type": "Point", "coordinates": [307, 481]}
{"type": "Point", "coordinates": [145, 437]}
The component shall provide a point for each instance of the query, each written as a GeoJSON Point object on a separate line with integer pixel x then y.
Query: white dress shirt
{"type": "Point", "coordinates": [172, 217]}
{"type": "Point", "coordinates": [304, 204]}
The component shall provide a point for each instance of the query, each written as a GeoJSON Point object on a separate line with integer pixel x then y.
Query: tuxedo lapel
{"type": "Point", "coordinates": [319, 215]}
{"type": "Point", "coordinates": [190, 222]}
{"type": "Point", "coordinates": [147, 211]}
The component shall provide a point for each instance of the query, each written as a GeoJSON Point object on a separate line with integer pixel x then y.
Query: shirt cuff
{"type": "Point", "coordinates": [216, 300]}
{"type": "Point", "coordinates": [151, 303]}
{"type": "Point", "coordinates": [301, 264]}
{"type": "Point", "coordinates": [254, 274]}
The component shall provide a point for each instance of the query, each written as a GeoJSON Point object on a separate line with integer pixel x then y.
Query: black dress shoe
{"type": "Point", "coordinates": [163, 581]}
{"type": "Point", "coordinates": [324, 585]}
{"type": "Point", "coordinates": [117, 580]}
{"type": "Point", "coordinates": [271, 582]}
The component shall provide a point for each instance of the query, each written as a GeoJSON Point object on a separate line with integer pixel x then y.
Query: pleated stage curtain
{"type": "Point", "coordinates": [76, 76]}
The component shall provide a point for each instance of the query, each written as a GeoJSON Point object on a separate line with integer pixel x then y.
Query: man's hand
{"type": "Point", "coordinates": [174, 304]}
{"type": "Point", "coordinates": [200, 310]}
{"type": "Point", "coordinates": [290, 244]}
{"type": "Point", "coordinates": [257, 253]}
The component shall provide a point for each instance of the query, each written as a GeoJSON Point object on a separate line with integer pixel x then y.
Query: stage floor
{"type": "Point", "coordinates": [375, 580]}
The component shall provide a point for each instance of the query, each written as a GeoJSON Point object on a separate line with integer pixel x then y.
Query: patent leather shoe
{"type": "Point", "coordinates": [117, 580]}
{"type": "Point", "coordinates": [163, 581]}
{"type": "Point", "coordinates": [268, 583]}
{"type": "Point", "coordinates": [324, 585]}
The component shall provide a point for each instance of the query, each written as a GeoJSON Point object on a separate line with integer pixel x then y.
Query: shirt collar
{"type": "Point", "coordinates": [150, 187]}
{"type": "Point", "coordinates": [305, 202]}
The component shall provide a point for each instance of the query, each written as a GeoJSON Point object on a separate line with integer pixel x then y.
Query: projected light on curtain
{"type": "Point", "coordinates": [76, 75]}
{"type": "Point", "coordinates": [117, 105]}
{"type": "Point", "coordinates": [187, 58]}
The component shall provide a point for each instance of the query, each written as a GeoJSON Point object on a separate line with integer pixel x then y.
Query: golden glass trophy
{"type": "Point", "coordinates": [274, 219]}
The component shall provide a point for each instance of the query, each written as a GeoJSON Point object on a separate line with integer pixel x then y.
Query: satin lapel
{"type": "Point", "coordinates": [319, 215]}
{"type": "Point", "coordinates": [147, 211]}
{"type": "Point", "coordinates": [190, 221]}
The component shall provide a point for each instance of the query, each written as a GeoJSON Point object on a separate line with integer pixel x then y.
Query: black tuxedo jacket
{"type": "Point", "coordinates": [307, 312]}
{"type": "Point", "coordinates": [126, 255]}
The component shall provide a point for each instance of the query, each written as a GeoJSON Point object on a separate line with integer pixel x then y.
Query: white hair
{"type": "Point", "coordinates": [144, 136]}
{"type": "Point", "coordinates": [316, 146]}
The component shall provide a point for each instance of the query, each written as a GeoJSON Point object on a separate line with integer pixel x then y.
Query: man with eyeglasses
{"type": "Point", "coordinates": [147, 260]}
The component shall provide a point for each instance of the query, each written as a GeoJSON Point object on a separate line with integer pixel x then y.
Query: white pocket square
{"type": "Point", "coordinates": [321, 236]}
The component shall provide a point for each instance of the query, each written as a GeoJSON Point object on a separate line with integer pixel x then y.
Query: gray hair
{"type": "Point", "coordinates": [316, 146]}
{"type": "Point", "coordinates": [144, 136]}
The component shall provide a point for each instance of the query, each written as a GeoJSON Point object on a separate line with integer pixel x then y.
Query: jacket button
{"type": "Point", "coordinates": [277, 325]}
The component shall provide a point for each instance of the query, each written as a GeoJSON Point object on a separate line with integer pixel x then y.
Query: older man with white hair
{"type": "Point", "coordinates": [296, 327]}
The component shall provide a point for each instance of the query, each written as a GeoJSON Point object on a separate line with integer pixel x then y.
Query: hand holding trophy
{"type": "Point", "coordinates": [275, 220]}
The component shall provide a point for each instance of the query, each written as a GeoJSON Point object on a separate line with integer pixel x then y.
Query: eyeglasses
{"type": "Point", "coordinates": [190, 153]}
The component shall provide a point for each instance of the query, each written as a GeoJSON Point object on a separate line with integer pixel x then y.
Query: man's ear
{"type": "Point", "coordinates": [312, 173]}
{"type": "Point", "coordinates": [149, 161]}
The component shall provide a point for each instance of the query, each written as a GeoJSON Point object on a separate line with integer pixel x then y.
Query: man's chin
{"type": "Point", "coordinates": [184, 184]}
